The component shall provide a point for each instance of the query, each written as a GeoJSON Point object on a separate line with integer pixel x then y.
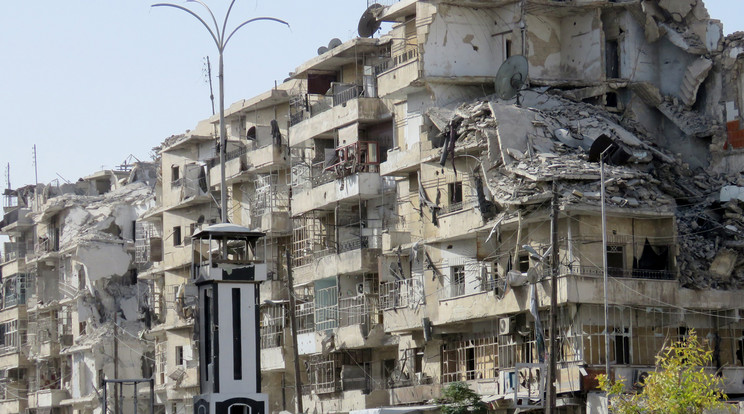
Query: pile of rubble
{"type": "Point", "coordinates": [523, 149]}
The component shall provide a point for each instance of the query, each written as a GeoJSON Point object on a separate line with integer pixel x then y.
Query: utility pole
{"type": "Point", "coordinates": [552, 361]}
{"type": "Point", "coordinates": [293, 327]}
{"type": "Point", "coordinates": [116, 364]}
{"type": "Point", "coordinates": [604, 262]}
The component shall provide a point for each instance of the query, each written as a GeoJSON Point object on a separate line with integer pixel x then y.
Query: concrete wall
{"type": "Point", "coordinates": [460, 41]}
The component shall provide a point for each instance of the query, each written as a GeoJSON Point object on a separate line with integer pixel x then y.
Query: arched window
{"type": "Point", "coordinates": [239, 409]}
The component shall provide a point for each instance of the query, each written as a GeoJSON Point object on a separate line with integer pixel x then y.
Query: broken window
{"type": "Point", "coordinates": [474, 358]}
{"type": "Point", "coordinates": [455, 196]}
{"type": "Point", "coordinates": [177, 236]}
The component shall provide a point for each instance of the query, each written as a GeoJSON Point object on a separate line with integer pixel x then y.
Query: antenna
{"type": "Point", "coordinates": [511, 76]}
{"type": "Point", "coordinates": [208, 70]}
{"type": "Point", "coordinates": [36, 178]}
{"type": "Point", "coordinates": [7, 177]}
{"type": "Point", "coordinates": [369, 22]}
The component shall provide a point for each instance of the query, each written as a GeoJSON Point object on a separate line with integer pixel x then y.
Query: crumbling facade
{"type": "Point", "coordinates": [71, 299]}
{"type": "Point", "coordinates": [413, 207]}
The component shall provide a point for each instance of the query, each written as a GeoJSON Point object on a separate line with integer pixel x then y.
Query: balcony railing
{"type": "Point", "coordinates": [362, 310]}
{"type": "Point", "coordinates": [351, 245]}
{"type": "Point", "coordinates": [616, 272]}
{"type": "Point", "coordinates": [310, 105]}
{"type": "Point", "coordinates": [401, 293]}
{"type": "Point", "coordinates": [360, 156]}
{"type": "Point", "coordinates": [408, 55]}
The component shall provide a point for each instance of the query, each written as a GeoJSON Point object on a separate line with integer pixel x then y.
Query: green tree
{"type": "Point", "coordinates": [679, 385]}
{"type": "Point", "coordinates": [458, 398]}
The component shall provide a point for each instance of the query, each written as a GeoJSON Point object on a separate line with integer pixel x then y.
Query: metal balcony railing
{"type": "Point", "coordinates": [351, 245]}
{"type": "Point", "coordinates": [398, 59]}
{"type": "Point", "coordinates": [362, 310]}
{"type": "Point", "coordinates": [596, 271]}
{"type": "Point", "coordinates": [360, 156]}
{"type": "Point", "coordinates": [401, 293]}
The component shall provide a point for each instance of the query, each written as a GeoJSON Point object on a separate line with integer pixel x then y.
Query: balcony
{"type": "Point", "coordinates": [402, 161]}
{"type": "Point", "coordinates": [47, 398]}
{"type": "Point", "coordinates": [12, 403]}
{"type": "Point", "coordinates": [15, 220]}
{"type": "Point", "coordinates": [246, 159]}
{"type": "Point", "coordinates": [398, 76]}
{"type": "Point", "coordinates": [270, 206]}
{"type": "Point", "coordinates": [333, 113]}
{"type": "Point", "coordinates": [403, 304]}
{"type": "Point", "coordinates": [326, 263]}
{"type": "Point", "coordinates": [323, 194]}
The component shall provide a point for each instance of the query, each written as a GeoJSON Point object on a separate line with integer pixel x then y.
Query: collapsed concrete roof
{"type": "Point", "coordinates": [522, 149]}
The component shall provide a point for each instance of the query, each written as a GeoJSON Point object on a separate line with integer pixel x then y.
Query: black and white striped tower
{"type": "Point", "coordinates": [228, 280]}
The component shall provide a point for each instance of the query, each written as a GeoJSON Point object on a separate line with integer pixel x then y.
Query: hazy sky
{"type": "Point", "coordinates": [91, 82]}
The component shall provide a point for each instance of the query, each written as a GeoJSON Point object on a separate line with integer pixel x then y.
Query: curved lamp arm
{"type": "Point", "coordinates": [216, 42]}
{"type": "Point", "coordinates": [251, 21]}
{"type": "Point", "coordinates": [214, 19]}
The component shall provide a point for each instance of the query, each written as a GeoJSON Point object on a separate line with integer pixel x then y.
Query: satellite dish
{"type": "Point", "coordinates": [511, 76]}
{"type": "Point", "coordinates": [369, 23]}
{"type": "Point", "coordinates": [533, 275]}
{"type": "Point", "coordinates": [322, 50]}
{"type": "Point", "coordinates": [334, 43]}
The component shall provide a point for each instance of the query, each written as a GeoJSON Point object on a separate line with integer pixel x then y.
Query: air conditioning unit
{"type": "Point", "coordinates": [506, 326]}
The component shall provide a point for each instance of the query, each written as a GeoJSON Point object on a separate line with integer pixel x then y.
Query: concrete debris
{"type": "Point", "coordinates": [538, 143]}
{"type": "Point", "coordinates": [678, 9]}
{"type": "Point", "coordinates": [694, 77]}
{"type": "Point", "coordinates": [691, 123]}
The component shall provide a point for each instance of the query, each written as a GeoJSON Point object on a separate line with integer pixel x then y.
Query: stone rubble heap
{"type": "Point", "coordinates": [557, 146]}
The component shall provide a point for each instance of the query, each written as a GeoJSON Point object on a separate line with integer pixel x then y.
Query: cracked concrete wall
{"type": "Point", "coordinates": [462, 42]}
{"type": "Point", "coordinates": [565, 48]}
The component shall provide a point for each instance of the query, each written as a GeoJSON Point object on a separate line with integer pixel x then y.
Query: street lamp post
{"type": "Point", "coordinates": [221, 38]}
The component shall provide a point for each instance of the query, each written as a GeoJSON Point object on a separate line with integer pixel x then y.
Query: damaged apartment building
{"type": "Point", "coordinates": [411, 200]}
{"type": "Point", "coordinates": [70, 296]}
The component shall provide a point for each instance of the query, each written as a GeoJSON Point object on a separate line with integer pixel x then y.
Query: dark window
{"type": "Point", "coordinates": [455, 192]}
{"type": "Point", "coordinates": [237, 336]}
{"type": "Point", "coordinates": [615, 260]}
{"type": "Point", "coordinates": [177, 236]}
{"type": "Point", "coordinates": [612, 59]}
{"type": "Point", "coordinates": [470, 363]}
{"type": "Point", "coordinates": [175, 173]}
{"type": "Point", "coordinates": [179, 355]}
{"type": "Point", "coordinates": [508, 48]}
{"type": "Point", "coordinates": [622, 346]}
{"type": "Point", "coordinates": [524, 262]}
